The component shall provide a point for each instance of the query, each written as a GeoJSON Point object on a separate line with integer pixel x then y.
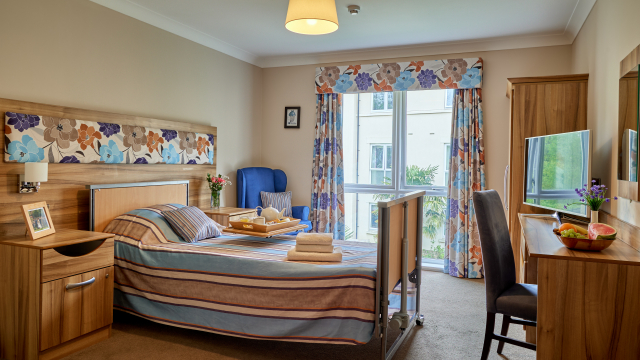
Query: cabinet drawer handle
{"type": "Point", "coordinates": [77, 285]}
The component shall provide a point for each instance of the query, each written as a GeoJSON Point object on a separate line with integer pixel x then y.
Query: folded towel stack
{"type": "Point", "coordinates": [315, 247]}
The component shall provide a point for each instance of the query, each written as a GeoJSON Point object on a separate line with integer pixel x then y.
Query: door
{"type": "Point", "coordinates": [75, 305]}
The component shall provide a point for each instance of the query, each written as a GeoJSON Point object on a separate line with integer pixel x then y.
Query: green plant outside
{"type": "Point", "coordinates": [434, 207]}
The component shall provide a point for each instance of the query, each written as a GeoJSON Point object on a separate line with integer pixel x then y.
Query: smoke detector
{"type": "Point", "coordinates": [353, 9]}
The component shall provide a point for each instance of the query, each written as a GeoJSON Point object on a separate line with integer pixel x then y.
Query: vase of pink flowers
{"type": "Point", "coordinates": [216, 184]}
{"type": "Point", "coordinates": [593, 197]}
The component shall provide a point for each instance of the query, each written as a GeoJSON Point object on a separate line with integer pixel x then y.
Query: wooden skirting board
{"type": "Point", "coordinates": [65, 191]}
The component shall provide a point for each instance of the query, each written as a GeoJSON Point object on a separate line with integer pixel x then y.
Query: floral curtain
{"type": "Point", "coordinates": [35, 138]}
{"type": "Point", "coordinates": [463, 257]}
{"type": "Point", "coordinates": [400, 76]}
{"type": "Point", "coordinates": [327, 202]}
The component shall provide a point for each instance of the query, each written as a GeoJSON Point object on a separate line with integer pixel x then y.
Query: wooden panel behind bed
{"type": "Point", "coordinates": [65, 191]}
{"type": "Point", "coordinates": [109, 203]}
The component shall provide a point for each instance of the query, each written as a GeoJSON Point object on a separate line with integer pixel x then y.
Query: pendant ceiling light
{"type": "Point", "coordinates": [312, 17]}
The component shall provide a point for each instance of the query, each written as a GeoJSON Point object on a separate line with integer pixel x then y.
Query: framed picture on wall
{"type": "Point", "coordinates": [292, 117]}
{"type": "Point", "coordinates": [38, 220]}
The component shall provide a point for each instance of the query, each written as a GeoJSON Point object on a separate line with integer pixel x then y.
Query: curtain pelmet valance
{"type": "Point", "coordinates": [400, 76]}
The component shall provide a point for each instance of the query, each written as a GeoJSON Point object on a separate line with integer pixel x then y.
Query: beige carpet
{"type": "Point", "coordinates": [454, 312]}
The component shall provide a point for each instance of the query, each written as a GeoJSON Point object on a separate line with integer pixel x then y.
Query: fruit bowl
{"type": "Point", "coordinates": [585, 244]}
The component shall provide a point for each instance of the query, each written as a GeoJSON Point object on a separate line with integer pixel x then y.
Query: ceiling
{"type": "Point", "coordinates": [253, 30]}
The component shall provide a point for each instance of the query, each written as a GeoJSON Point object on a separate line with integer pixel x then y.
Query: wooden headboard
{"type": "Point", "coordinates": [111, 200]}
{"type": "Point", "coordinates": [66, 192]}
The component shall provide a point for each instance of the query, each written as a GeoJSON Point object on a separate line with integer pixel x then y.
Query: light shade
{"type": "Point", "coordinates": [312, 17]}
{"type": "Point", "coordinates": [36, 172]}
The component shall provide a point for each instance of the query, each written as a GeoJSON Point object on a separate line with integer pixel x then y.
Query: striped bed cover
{"type": "Point", "coordinates": [241, 285]}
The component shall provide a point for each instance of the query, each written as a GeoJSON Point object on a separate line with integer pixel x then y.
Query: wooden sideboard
{"type": "Point", "coordinates": [539, 106]}
{"type": "Point", "coordinates": [588, 302]}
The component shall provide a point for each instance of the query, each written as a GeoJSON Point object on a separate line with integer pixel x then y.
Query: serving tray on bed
{"type": "Point", "coordinates": [267, 234]}
{"type": "Point", "coordinates": [248, 226]}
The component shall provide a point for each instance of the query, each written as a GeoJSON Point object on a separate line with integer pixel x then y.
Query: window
{"type": "Point", "coordinates": [381, 164]}
{"type": "Point", "coordinates": [448, 98]}
{"type": "Point", "coordinates": [373, 216]}
{"type": "Point", "coordinates": [382, 101]}
{"type": "Point", "coordinates": [447, 163]}
{"type": "Point", "coordinates": [390, 153]}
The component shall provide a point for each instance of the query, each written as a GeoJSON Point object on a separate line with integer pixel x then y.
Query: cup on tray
{"type": "Point", "coordinates": [259, 220]}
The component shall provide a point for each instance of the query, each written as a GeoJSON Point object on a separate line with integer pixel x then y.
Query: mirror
{"type": "Point", "coordinates": [628, 127]}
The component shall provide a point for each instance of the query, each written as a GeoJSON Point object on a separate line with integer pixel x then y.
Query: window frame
{"type": "Point", "coordinates": [384, 168]}
{"type": "Point", "coordinates": [446, 95]}
{"type": "Point", "coordinates": [385, 102]}
{"type": "Point", "coordinates": [398, 186]}
{"type": "Point", "coordinates": [447, 162]}
{"type": "Point", "coordinates": [371, 205]}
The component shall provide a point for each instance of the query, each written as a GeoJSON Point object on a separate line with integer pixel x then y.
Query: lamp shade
{"type": "Point", "coordinates": [312, 17]}
{"type": "Point", "coordinates": [36, 172]}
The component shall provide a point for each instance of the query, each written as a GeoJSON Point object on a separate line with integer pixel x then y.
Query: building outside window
{"type": "Point", "coordinates": [373, 216]}
{"type": "Point", "coordinates": [382, 101]}
{"type": "Point", "coordinates": [448, 99]}
{"type": "Point", "coordinates": [380, 164]}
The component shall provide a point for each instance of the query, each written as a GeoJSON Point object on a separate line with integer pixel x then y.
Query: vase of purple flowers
{"type": "Point", "coordinates": [593, 197]}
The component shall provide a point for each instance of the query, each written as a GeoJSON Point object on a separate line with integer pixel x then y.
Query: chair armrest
{"type": "Point", "coordinates": [300, 212]}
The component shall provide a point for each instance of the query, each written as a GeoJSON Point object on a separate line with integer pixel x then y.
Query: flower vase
{"type": "Point", "coordinates": [594, 216]}
{"type": "Point", "coordinates": [215, 199]}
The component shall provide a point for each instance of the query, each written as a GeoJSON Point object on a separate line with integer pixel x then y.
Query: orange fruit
{"type": "Point", "coordinates": [567, 226]}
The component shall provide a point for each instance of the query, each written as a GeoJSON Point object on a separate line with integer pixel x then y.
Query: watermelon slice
{"type": "Point", "coordinates": [599, 231]}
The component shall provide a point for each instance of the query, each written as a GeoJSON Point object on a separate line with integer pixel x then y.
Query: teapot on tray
{"type": "Point", "coordinates": [271, 213]}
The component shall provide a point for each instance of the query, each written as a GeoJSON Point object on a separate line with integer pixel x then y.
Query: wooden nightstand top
{"type": "Point", "coordinates": [61, 237]}
{"type": "Point", "coordinates": [231, 211]}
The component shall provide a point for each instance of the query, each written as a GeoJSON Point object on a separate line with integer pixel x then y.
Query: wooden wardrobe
{"type": "Point", "coordinates": [539, 106]}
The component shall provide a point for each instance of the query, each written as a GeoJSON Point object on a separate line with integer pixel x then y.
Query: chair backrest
{"type": "Point", "coordinates": [251, 181]}
{"type": "Point", "coordinates": [497, 253]}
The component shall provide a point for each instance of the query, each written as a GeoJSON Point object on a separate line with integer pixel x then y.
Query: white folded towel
{"type": "Point", "coordinates": [314, 239]}
{"type": "Point", "coordinates": [335, 256]}
{"type": "Point", "coordinates": [315, 248]}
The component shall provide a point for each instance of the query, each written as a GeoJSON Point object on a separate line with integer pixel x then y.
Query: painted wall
{"type": "Point", "coordinates": [77, 53]}
{"type": "Point", "coordinates": [291, 150]}
{"type": "Point", "coordinates": [611, 31]}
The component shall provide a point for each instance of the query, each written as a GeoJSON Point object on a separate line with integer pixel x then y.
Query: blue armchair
{"type": "Point", "coordinates": [251, 181]}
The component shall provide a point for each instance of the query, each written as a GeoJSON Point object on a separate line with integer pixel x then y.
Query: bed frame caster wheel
{"type": "Point", "coordinates": [420, 320]}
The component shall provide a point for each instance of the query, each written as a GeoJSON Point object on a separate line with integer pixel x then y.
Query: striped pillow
{"type": "Point", "coordinates": [191, 224]}
{"type": "Point", "coordinates": [277, 200]}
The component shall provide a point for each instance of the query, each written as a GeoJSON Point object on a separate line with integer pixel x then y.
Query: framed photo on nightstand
{"type": "Point", "coordinates": [38, 220]}
{"type": "Point", "coordinates": [292, 117]}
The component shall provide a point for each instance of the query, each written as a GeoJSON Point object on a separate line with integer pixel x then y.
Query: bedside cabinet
{"type": "Point", "coordinates": [225, 214]}
{"type": "Point", "coordinates": [56, 293]}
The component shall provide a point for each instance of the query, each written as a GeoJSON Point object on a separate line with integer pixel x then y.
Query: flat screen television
{"type": "Point", "coordinates": [556, 165]}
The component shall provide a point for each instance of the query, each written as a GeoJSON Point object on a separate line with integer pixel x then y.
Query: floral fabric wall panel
{"type": "Point", "coordinates": [402, 76]}
{"type": "Point", "coordinates": [463, 256]}
{"type": "Point", "coordinates": [33, 138]}
{"type": "Point", "coordinates": [327, 203]}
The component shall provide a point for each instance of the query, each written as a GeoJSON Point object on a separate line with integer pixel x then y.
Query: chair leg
{"type": "Point", "coordinates": [505, 328]}
{"type": "Point", "coordinates": [488, 335]}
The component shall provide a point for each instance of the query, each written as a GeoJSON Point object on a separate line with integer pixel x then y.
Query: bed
{"type": "Point", "coordinates": [243, 286]}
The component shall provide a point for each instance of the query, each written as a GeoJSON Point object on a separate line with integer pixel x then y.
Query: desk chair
{"type": "Point", "coordinates": [504, 295]}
